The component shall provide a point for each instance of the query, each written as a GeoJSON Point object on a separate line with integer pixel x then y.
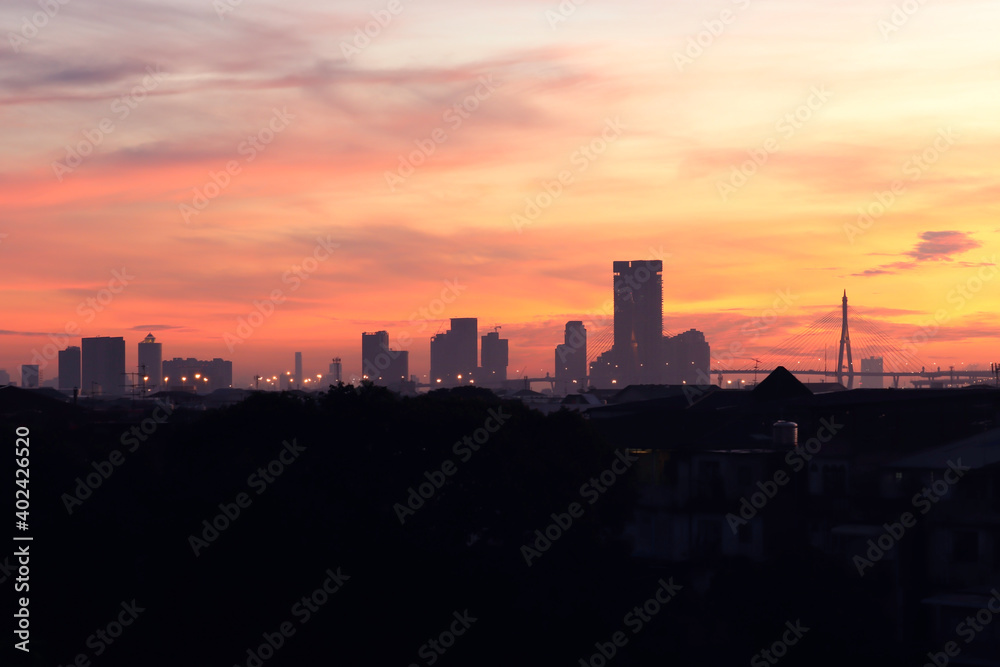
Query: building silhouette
{"type": "Point", "coordinates": [69, 368]}
{"type": "Point", "coordinates": [454, 354]}
{"type": "Point", "coordinates": [336, 371]}
{"type": "Point", "coordinates": [4, 377]}
{"type": "Point", "coordinates": [196, 375]}
{"type": "Point", "coordinates": [151, 362]}
{"type": "Point", "coordinates": [381, 364]}
{"type": "Point", "coordinates": [638, 328]}
{"type": "Point", "coordinates": [571, 359]}
{"type": "Point", "coordinates": [103, 365]}
{"type": "Point", "coordinates": [495, 358]}
{"type": "Point", "coordinates": [298, 370]}
{"type": "Point", "coordinates": [30, 378]}
{"type": "Point", "coordinates": [687, 358]}
{"type": "Point", "coordinates": [871, 365]}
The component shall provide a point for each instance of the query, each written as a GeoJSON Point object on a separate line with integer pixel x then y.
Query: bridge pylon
{"type": "Point", "coordinates": [845, 343]}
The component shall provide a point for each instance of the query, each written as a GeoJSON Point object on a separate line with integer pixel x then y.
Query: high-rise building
{"type": "Point", "coordinates": [687, 358]}
{"type": "Point", "coordinates": [495, 351]}
{"type": "Point", "coordinates": [30, 376]}
{"type": "Point", "coordinates": [381, 364]}
{"type": "Point", "coordinates": [4, 377]}
{"type": "Point", "coordinates": [571, 359]}
{"type": "Point", "coordinates": [298, 370]}
{"type": "Point", "coordinates": [336, 371]}
{"type": "Point", "coordinates": [103, 365]}
{"type": "Point", "coordinates": [638, 327]}
{"type": "Point", "coordinates": [454, 353]}
{"type": "Point", "coordinates": [69, 368]}
{"type": "Point", "coordinates": [151, 363]}
{"type": "Point", "coordinates": [872, 365]}
{"type": "Point", "coordinates": [196, 375]}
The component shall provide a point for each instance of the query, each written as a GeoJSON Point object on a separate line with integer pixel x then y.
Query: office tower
{"type": "Point", "coordinates": [298, 370]}
{"type": "Point", "coordinates": [571, 359]}
{"type": "Point", "coordinates": [687, 357]}
{"type": "Point", "coordinates": [4, 377]}
{"type": "Point", "coordinates": [103, 366]}
{"type": "Point", "coordinates": [336, 371]}
{"type": "Point", "coordinates": [151, 362]}
{"type": "Point", "coordinates": [29, 376]}
{"type": "Point", "coordinates": [196, 375]}
{"type": "Point", "coordinates": [381, 364]}
{"type": "Point", "coordinates": [69, 368]}
{"type": "Point", "coordinates": [872, 365]}
{"type": "Point", "coordinates": [453, 353]}
{"type": "Point", "coordinates": [495, 359]}
{"type": "Point", "coordinates": [638, 325]}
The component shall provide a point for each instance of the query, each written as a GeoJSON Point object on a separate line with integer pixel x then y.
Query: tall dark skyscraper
{"type": "Point", "coordinates": [495, 359]}
{"type": "Point", "coordinates": [381, 364]}
{"type": "Point", "coordinates": [638, 328]}
{"type": "Point", "coordinates": [151, 361]}
{"type": "Point", "coordinates": [103, 365]}
{"type": "Point", "coordinates": [571, 359]}
{"type": "Point", "coordinates": [454, 354]}
{"type": "Point", "coordinates": [298, 370]}
{"type": "Point", "coordinates": [69, 368]}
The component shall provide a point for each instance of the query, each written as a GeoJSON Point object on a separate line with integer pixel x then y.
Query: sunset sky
{"type": "Point", "coordinates": [177, 162]}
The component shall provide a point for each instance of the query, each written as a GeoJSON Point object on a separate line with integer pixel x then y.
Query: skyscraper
{"type": "Point", "coordinates": [336, 371]}
{"type": "Point", "coordinates": [638, 327]}
{"type": "Point", "coordinates": [872, 365]}
{"type": "Point", "coordinates": [381, 364]}
{"type": "Point", "coordinates": [687, 358]}
{"type": "Point", "coordinates": [69, 368]}
{"type": "Point", "coordinates": [495, 357]}
{"type": "Point", "coordinates": [151, 362]}
{"type": "Point", "coordinates": [298, 370]}
{"type": "Point", "coordinates": [571, 359]}
{"type": "Point", "coordinates": [454, 353]}
{"type": "Point", "coordinates": [29, 376]}
{"type": "Point", "coordinates": [103, 365]}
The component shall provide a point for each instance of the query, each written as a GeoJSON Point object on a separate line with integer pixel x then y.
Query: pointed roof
{"type": "Point", "coordinates": [780, 384]}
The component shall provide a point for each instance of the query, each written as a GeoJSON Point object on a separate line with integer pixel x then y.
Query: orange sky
{"type": "Point", "coordinates": [651, 121]}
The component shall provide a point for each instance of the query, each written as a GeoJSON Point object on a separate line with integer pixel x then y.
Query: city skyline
{"type": "Point", "coordinates": [172, 186]}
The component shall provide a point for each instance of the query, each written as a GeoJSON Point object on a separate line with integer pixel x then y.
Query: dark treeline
{"type": "Point", "coordinates": [350, 458]}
